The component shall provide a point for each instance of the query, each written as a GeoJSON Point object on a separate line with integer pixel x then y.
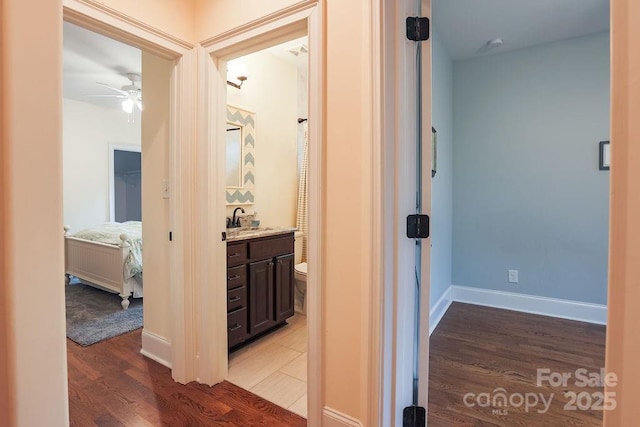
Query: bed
{"type": "Point", "coordinates": [108, 257]}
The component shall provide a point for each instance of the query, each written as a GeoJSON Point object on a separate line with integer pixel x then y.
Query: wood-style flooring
{"type": "Point", "coordinates": [480, 349]}
{"type": "Point", "coordinates": [112, 384]}
{"type": "Point", "coordinates": [473, 350]}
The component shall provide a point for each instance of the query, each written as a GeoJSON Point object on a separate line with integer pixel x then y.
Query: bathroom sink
{"type": "Point", "coordinates": [252, 232]}
{"type": "Point", "coordinates": [257, 228]}
{"type": "Point", "coordinates": [246, 230]}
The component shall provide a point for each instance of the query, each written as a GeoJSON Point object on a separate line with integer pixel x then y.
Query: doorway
{"type": "Point", "coordinates": [291, 26]}
{"type": "Point", "coordinates": [267, 200]}
{"type": "Point", "coordinates": [511, 239]}
{"type": "Point", "coordinates": [163, 67]}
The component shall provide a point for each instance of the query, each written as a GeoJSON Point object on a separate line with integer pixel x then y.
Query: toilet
{"type": "Point", "coordinates": [300, 275]}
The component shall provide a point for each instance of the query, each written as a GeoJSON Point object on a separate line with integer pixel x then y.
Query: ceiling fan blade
{"type": "Point", "coordinates": [108, 96]}
{"type": "Point", "coordinates": [121, 92]}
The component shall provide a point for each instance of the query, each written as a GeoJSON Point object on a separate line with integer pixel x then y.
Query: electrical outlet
{"type": "Point", "coordinates": [512, 276]}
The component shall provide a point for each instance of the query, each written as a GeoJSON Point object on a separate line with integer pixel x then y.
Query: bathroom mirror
{"type": "Point", "coordinates": [234, 155]}
{"type": "Point", "coordinates": [240, 161]}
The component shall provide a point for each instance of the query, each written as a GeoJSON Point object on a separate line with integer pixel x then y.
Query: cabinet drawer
{"type": "Point", "coordinates": [236, 254]}
{"type": "Point", "coordinates": [236, 298]}
{"type": "Point", "coordinates": [237, 327]}
{"type": "Point", "coordinates": [236, 276]}
{"type": "Point", "coordinates": [271, 247]}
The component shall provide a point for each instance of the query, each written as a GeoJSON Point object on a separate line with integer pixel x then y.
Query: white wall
{"type": "Point", "coordinates": [528, 194]}
{"type": "Point", "coordinates": [87, 132]}
{"type": "Point", "coordinates": [156, 73]}
{"type": "Point", "coordinates": [442, 183]}
{"type": "Point", "coordinates": [271, 92]}
{"type": "Point", "coordinates": [31, 277]}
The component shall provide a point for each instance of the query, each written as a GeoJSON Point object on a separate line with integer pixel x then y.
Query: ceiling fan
{"type": "Point", "coordinates": [131, 93]}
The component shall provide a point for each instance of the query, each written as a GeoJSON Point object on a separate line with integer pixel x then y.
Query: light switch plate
{"type": "Point", "coordinates": [165, 188]}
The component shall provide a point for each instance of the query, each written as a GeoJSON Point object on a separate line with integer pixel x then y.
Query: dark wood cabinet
{"type": "Point", "coordinates": [261, 296]}
{"type": "Point", "coordinates": [285, 287]}
{"type": "Point", "coordinates": [260, 286]}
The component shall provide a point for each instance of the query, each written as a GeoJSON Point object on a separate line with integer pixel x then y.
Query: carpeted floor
{"type": "Point", "coordinates": [94, 315]}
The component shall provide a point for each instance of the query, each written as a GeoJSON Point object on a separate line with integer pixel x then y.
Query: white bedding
{"type": "Point", "coordinates": [109, 233]}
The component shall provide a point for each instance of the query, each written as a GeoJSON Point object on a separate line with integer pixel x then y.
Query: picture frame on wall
{"type": "Point", "coordinates": [605, 155]}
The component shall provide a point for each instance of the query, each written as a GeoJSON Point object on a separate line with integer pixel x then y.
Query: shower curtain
{"type": "Point", "coordinates": [302, 220]}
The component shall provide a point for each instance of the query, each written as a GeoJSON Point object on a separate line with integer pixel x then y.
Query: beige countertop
{"type": "Point", "coordinates": [244, 233]}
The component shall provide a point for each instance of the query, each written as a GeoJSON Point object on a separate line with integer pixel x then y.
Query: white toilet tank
{"type": "Point", "coordinates": [297, 248]}
{"type": "Point", "coordinates": [300, 274]}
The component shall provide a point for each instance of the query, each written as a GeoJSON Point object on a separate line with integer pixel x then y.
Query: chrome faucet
{"type": "Point", "coordinates": [235, 222]}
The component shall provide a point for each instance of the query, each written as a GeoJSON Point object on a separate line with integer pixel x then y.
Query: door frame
{"type": "Point", "coordinates": [395, 168]}
{"type": "Point", "coordinates": [108, 22]}
{"type": "Point", "coordinates": [302, 18]}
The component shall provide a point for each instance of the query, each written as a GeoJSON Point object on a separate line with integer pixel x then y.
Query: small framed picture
{"type": "Point", "coordinates": [605, 155]}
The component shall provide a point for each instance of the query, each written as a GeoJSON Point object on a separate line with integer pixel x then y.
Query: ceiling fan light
{"type": "Point", "coordinates": [127, 106]}
{"type": "Point", "coordinates": [139, 104]}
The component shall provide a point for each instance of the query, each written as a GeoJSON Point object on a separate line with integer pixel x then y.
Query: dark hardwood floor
{"type": "Point", "coordinates": [112, 384]}
{"type": "Point", "coordinates": [480, 349]}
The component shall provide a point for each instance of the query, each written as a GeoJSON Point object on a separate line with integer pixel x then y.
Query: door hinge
{"type": "Point", "coordinates": [224, 236]}
{"type": "Point", "coordinates": [417, 28]}
{"type": "Point", "coordinates": [170, 236]}
{"type": "Point", "coordinates": [418, 226]}
{"type": "Point", "coordinates": [414, 416]}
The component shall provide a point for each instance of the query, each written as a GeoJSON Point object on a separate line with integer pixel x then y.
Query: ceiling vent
{"type": "Point", "coordinates": [300, 50]}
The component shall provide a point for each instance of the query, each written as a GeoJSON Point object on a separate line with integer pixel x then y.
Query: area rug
{"type": "Point", "coordinates": [94, 315]}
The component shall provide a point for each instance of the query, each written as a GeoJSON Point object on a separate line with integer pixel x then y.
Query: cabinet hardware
{"type": "Point", "coordinates": [234, 299]}
{"type": "Point", "coordinates": [234, 327]}
{"type": "Point", "coordinates": [237, 254]}
{"type": "Point", "coordinates": [237, 276]}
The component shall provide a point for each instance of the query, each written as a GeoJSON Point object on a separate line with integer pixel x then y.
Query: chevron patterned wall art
{"type": "Point", "coordinates": [245, 119]}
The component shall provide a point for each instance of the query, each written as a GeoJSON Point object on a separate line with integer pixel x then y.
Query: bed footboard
{"type": "Point", "coordinates": [100, 264]}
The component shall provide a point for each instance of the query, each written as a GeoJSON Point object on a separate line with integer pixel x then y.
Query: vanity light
{"type": "Point", "coordinates": [242, 79]}
{"type": "Point", "coordinates": [236, 72]}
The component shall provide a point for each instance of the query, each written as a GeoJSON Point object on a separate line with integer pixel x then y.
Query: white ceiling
{"type": "Point", "coordinates": [282, 51]}
{"type": "Point", "coordinates": [465, 25]}
{"type": "Point", "coordinates": [89, 58]}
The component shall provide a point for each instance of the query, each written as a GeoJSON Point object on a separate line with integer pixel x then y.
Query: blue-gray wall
{"type": "Point", "coordinates": [527, 192]}
{"type": "Point", "coordinates": [442, 185]}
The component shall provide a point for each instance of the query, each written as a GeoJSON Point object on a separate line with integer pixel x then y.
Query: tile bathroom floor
{"type": "Point", "coordinates": [275, 366]}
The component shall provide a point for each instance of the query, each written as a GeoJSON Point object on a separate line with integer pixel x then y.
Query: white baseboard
{"type": "Point", "coordinates": [438, 310]}
{"type": "Point", "coordinates": [565, 309]}
{"type": "Point", "coordinates": [156, 348]}
{"type": "Point", "coordinates": [333, 418]}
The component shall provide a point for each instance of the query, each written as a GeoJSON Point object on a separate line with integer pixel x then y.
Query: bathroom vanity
{"type": "Point", "coordinates": [260, 282]}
